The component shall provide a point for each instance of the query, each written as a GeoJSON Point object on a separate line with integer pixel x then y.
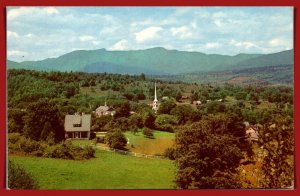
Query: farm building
{"type": "Point", "coordinates": [104, 110]}
{"type": "Point", "coordinates": [197, 102]}
{"type": "Point", "coordinates": [165, 98]}
{"type": "Point", "coordinates": [78, 126]}
{"type": "Point", "coordinates": [252, 133]}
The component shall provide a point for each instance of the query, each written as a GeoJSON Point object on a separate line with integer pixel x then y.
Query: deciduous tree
{"type": "Point", "coordinates": [206, 160]}
{"type": "Point", "coordinates": [42, 118]}
{"type": "Point", "coordinates": [116, 139]}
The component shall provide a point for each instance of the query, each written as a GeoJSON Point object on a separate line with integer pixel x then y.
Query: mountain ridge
{"type": "Point", "coordinates": [156, 60]}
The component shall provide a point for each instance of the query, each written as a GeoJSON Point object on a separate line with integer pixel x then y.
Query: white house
{"type": "Point", "coordinates": [78, 126]}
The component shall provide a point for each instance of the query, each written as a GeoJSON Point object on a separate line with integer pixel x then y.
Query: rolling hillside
{"type": "Point", "coordinates": [13, 65]}
{"type": "Point", "coordinates": [268, 75]}
{"type": "Point", "coordinates": [152, 61]}
{"type": "Point", "coordinates": [280, 58]}
{"type": "Point", "coordinates": [182, 65]}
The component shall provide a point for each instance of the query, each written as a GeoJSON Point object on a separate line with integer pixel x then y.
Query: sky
{"type": "Point", "coordinates": [36, 33]}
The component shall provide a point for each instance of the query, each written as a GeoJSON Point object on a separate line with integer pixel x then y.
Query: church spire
{"type": "Point", "coordinates": [155, 101]}
{"type": "Point", "coordinates": [155, 97]}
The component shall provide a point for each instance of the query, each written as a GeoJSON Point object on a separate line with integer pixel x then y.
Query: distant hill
{"type": "Point", "coordinates": [23, 65]}
{"type": "Point", "coordinates": [268, 75]}
{"type": "Point", "coordinates": [14, 65]}
{"type": "Point", "coordinates": [153, 61]}
{"type": "Point", "coordinates": [280, 58]}
{"type": "Point", "coordinates": [121, 69]}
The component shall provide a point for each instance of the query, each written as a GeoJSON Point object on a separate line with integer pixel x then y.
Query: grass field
{"type": "Point", "coordinates": [106, 171]}
{"type": "Point", "coordinates": [138, 143]}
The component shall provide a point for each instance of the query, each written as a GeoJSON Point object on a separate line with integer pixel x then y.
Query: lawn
{"type": "Point", "coordinates": [107, 171]}
{"type": "Point", "coordinates": [138, 143]}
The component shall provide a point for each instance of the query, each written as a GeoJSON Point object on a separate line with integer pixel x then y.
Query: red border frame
{"type": "Point", "coordinates": [4, 3]}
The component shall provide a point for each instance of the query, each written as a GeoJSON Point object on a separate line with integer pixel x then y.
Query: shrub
{"type": "Point", "coordinates": [61, 151]}
{"type": "Point", "coordinates": [88, 152]}
{"type": "Point", "coordinates": [148, 133]}
{"type": "Point", "coordinates": [28, 146]}
{"type": "Point", "coordinates": [165, 122]}
{"type": "Point", "coordinates": [92, 135]}
{"type": "Point", "coordinates": [20, 144]}
{"type": "Point", "coordinates": [148, 119]}
{"type": "Point", "coordinates": [116, 139]}
{"type": "Point", "coordinates": [170, 153]}
{"type": "Point", "coordinates": [13, 137]}
{"type": "Point", "coordinates": [117, 124]}
{"type": "Point", "coordinates": [136, 121]}
{"type": "Point", "coordinates": [64, 150]}
{"type": "Point", "coordinates": [18, 178]}
{"type": "Point", "coordinates": [166, 106]}
{"type": "Point", "coordinates": [100, 140]}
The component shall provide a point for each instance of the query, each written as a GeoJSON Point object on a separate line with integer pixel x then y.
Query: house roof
{"type": "Point", "coordinates": [83, 121]}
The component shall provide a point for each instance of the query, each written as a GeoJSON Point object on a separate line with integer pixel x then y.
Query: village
{"type": "Point", "coordinates": [78, 126]}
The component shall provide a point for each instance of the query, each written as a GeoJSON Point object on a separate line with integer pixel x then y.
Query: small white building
{"type": "Point", "coordinates": [104, 110]}
{"type": "Point", "coordinates": [165, 98]}
{"type": "Point", "coordinates": [197, 102]}
{"type": "Point", "coordinates": [252, 133]}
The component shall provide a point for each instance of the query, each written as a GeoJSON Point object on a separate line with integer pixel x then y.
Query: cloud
{"type": "Point", "coordinates": [182, 11]}
{"type": "Point", "coordinates": [29, 35]}
{"type": "Point", "coordinates": [87, 38]}
{"type": "Point", "coordinates": [194, 24]}
{"type": "Point", "coordinates": [212, 45]}
{"type": "Point", "coordinates": [11, 34]}
{"type": "Point", "coordinates": [31, 11]}
{"type": "Point", "coordinates": [218, 22]}
{"type": "Point", "coordinates": [189, 47]}
{"type": "Point", "coordinates": [16, 53]}
{"type": "Point", "coordinates": [14, 13]}
{"type": "Point", "coordinates": [145, 22]}
{"type": "Point", "coordinates": [202, 13]}
{"type": "Point", "coordinates": [149, 33]}
{"type": "Point", "coordinates": [109, 30]}
{"type": "Point", "coordinates": [120, 45]}
{"type": "Point", "coordinates": [243, 44]}
{"type": "Point", "coordinates": [219, 15]}
{"type": "Point", "coordinates": [279, 42]}
{"type": "Point", "coordinates": [51, 10]}
{"type": "Point", "coordinates": [182, 32]}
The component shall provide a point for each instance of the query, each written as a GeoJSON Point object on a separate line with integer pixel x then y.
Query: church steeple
{"type": "Point", "coordinates": [155, 97]}
{"type": "Point", "coordinates": [155, 101]}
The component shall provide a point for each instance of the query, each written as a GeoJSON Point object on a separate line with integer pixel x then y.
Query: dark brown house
{"type": "Point", "coordinates": [78, 126]}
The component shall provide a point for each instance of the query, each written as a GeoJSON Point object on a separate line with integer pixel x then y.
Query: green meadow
{"type": "Point", "coordinates": [106, 171]}
{"type": "Point", "coordinates": [156, 146]}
